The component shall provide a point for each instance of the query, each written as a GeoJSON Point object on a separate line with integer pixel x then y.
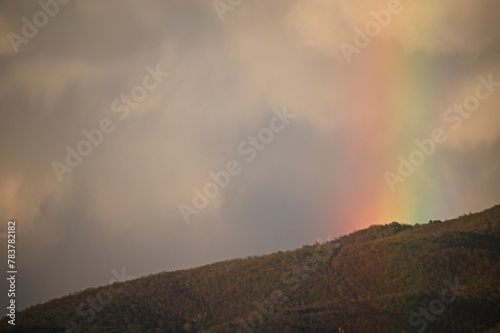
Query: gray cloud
{"type": "Point", "coordinates": [119, 208]}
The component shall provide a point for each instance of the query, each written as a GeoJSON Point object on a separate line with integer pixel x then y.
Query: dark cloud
{"type": "Point", "coordinates": [119, 207]}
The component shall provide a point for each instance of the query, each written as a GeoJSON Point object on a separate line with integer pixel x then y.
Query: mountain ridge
{"type": "Point", "coordinates": [385, 278]}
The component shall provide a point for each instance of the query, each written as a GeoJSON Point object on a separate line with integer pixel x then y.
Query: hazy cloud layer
{"type": "Point", "coordinates": [119, 207]}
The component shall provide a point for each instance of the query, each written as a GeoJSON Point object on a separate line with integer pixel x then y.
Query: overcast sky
{"type": "Point", "coordinates": [201, 81]}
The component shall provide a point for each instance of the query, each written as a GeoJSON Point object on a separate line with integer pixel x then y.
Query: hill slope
{"type": "Point", "coordinates": [441, 277]}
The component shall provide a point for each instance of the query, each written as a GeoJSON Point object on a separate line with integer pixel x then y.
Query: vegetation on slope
{"type": "Point", "coordinates": [438, 277]}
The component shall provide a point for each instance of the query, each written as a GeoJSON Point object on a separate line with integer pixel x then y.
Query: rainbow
{"type": "Point", "coordinates": [392, 94]}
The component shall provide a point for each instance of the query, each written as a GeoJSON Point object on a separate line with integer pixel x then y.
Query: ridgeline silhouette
{"type": "Point", "coordinates": [438, 277]}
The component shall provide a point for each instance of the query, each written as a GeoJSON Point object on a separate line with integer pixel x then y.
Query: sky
{"type": "Point", "coordinates": [160, 135]}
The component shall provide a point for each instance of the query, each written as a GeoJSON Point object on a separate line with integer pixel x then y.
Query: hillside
{"type": "Point", "coordinates": [441, 277]}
